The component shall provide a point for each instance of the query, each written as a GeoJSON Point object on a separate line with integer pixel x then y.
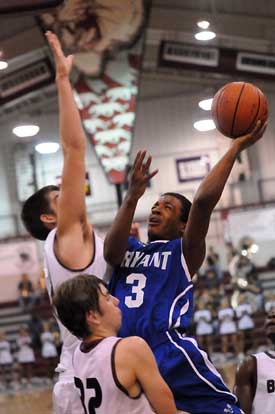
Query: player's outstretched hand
{"type": "Point", "coordinates": [63, 63]}
{"type": "Point", "coordinates": [254, 136]}
{"type": "Point", "coordinates": [140, 175]}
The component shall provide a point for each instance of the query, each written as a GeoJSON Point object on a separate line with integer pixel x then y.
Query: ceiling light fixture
{"type": "Point", "coordinates": [206, 104]}
{"type": "Point", "coordinates": [203, 24]}
{"type": "Point", "coordinates": [204, 125]}
{"type": "Point", "coordinates": [24, 131]}
{"type": "Point", "coordinates": [205, 35]}
{"type": "Point", "coordinates": [3, 64]}
{"type": "Point", "coordinates": [47, 147]}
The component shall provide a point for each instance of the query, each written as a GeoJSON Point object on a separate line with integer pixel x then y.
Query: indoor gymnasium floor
{"type": "Point", "coordinates": [27, 402]}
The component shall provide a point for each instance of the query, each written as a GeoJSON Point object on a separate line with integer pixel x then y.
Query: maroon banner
{"type": "Point", "coordinates": [106, 37]}
{"type": "Point", "coordinates": [108, 112]}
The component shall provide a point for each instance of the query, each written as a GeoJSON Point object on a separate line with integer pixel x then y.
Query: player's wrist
{"type": "Point", "coordinates": [62, 78]}
{"type": "Point", "coordinates": [131, 199]}
{"type": "Point", "coordinates": [236, 147]}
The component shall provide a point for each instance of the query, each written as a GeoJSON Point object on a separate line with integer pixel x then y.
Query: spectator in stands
{"type": "Point", "coordinates": [228, 328]}
{"type": "Point", "coordinates": [41, 287]}
{"type": "Point", "coordinates": [204, 328]}
{"type": "Point", "coordinates": [26, 297]}
{"type": "Point", "coordinates": [6, 361]}
{"type": "Point", "coordinates": [245, 322]}
{"type": "Point", "coordinates": [269, 301]}
{"type": "Point", "coordinates": [49, 350]}
{"type": "Point", "coordinates": [35, 327]}
{"type": "Point", "coordinates": [25, 355]}
{"type": "Point", "coordinates": [213, 262]}
{"type": "Point", "coordinates": [254, 290]}
{"type": "Point", "coordinates": [211, 281]}
{"type": "Point", "coordinates": [48, 344]}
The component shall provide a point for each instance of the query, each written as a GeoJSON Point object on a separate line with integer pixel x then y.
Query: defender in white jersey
{"type": "Point", "coordinates": [113, 375]}
{"type": "Point", "coordinates": [255, 378]}
{"type": "Point", "coordinates": [58, 215]}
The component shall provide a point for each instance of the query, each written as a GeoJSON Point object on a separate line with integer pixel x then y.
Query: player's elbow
{"type": "Point", "coordinates": [72, 145]}
{"type": "Point", "coordinates": [202, 200]}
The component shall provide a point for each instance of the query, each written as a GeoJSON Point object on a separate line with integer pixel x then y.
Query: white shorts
{"type": "Point", "coordinates": [66, 399]}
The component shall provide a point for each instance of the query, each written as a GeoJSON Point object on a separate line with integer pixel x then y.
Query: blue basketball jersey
{"type": "Point", "coordinates": [154, 288]}
{"type": "Point", "coordinates": [155, 292]}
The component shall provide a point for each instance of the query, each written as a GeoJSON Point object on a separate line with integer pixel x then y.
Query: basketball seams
{"type": "Point", "coordinates": [236, 110]}
{"type": "Point", "coordinates": [257, 113]}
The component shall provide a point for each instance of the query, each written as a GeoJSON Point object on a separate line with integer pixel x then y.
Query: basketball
{"type": "Point", "coordinates": [237, 107]}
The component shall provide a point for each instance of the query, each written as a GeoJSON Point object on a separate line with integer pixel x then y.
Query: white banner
{"type": "Point", "coordinates": [258, 224]}
{"type": "Point", "coordinates": [18, 257]}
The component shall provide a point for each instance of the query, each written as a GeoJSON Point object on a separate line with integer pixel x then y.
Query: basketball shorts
{"type": "Point", "coordinates": [197, 386]}
{"type": "Point", "coordinates": [66, 398]}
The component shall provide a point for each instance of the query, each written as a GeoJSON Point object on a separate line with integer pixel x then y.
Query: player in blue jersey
{"type": "Point", "coordinates": [153, 281]}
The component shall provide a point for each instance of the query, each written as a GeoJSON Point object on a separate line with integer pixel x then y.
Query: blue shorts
{"type": "Point", "coordinates": [197, 386]}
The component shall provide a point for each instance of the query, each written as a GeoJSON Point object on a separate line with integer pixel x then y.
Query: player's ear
{"type": "Point", "coordinates": [92, 318]}
{"type": "Point", "coordinates": [48, 218]}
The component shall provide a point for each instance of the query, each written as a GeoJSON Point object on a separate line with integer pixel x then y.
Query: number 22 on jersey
{"type": "Point", "coordinates": [96, 400]}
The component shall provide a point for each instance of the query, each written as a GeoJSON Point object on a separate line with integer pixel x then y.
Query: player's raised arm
{"type": "Point", "coordinates": [116, 240]}
{"type": "Point", "coordinates": [208, 195]}
{"type": "Point", "coordinates": [245, 385]}
{"type": "Point", "coordinates": [72, 228]}
{"type": "Point", "coordinates": [146, 372]}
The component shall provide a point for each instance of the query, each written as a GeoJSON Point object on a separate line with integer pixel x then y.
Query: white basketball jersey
{"type": "Point", "coordinates": [55, 274]}
{"type": "Point", "coordinates": [264, 400]}
{"type": "Point", "coordinates": [96, 380]}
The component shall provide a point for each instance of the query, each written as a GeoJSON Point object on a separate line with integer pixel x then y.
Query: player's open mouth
{"type": "Point", "coordinates": [153, 221]}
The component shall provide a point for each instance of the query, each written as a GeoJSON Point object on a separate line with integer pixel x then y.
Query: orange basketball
{"type": "Point", "coordinates": [237, 107]}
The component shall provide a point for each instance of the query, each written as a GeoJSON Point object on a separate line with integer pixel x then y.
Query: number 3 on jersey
{"type": "Point", "coordinates": [136, 299]}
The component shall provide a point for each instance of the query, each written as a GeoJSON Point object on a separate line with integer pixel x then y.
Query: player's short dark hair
{"type": "Point", "coordinates": [72, 301]}
{"type": "Point", "coordinates": [33, 207]}
{"type": "Point", "coordinates": [185, 205]}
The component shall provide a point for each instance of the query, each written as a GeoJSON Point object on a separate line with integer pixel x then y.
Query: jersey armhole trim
{"type": "Point", "coordinates": [255, 382]}
{"type": "Point", "coordinates": [113, 367]}
{"type": "Point", "coordinates": [76, 270]}
{"type": "Point", "coordinates": [184, 264]}
{"type": "Point", "coordinates": [269, 355]}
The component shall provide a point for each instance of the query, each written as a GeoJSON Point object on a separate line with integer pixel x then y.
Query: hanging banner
{"type": "Point", "coordinates": [106, 37]}
{"type": "Point", "coordinates": [257, 223]}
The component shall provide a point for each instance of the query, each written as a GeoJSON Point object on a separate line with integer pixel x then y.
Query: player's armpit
{"type": "Point", "coordinates": [147, 374]}
{"type": "Point", "coordinates": [72, 249]}
{"type": "Point", "coordinates": [245, 383]}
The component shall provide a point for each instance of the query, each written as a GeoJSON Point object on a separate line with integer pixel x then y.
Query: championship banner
{"type": "Point", "coordinates": [106, 37]}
